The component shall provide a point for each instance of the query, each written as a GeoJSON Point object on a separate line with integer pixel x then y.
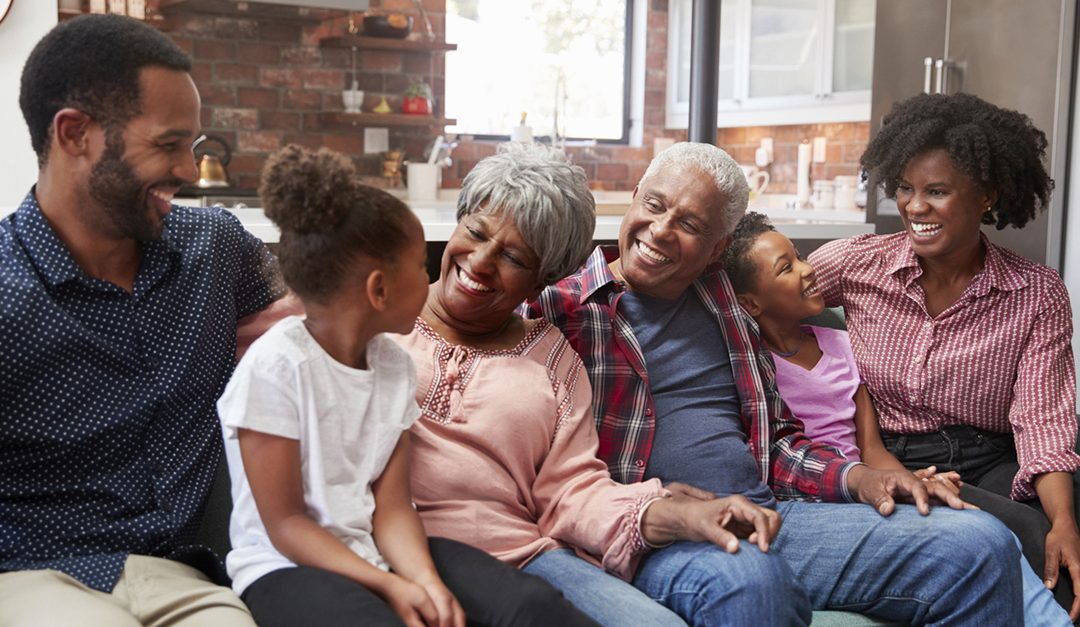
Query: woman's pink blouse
{"type": "Point", "coordinates": [504, 455]}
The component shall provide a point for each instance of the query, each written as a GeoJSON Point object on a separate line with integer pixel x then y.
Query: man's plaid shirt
{"type": "Point", "coordinates": [585, 307]}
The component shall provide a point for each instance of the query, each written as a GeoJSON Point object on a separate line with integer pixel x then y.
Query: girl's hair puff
{"type": "Point", "coordinates": [328, 219]}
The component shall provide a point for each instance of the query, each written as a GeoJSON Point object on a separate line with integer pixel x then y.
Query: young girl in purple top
{"type": "Point", "coordinates": [816, 373]}
{"type": "Point", "coordinates": [815, 369]}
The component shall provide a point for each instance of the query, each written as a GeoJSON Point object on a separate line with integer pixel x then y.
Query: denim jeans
{"type": "Point", "coordinates": [987, 463]}
{"type": "Point", "coordinates": [604, 597]}
{"type": "Point", "coordinates": [952, 567]}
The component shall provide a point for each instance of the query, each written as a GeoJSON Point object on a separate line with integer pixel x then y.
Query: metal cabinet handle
{"type": "Point", "coordinates": [940, 83]}
{"type": "Point", "coordinates": [929, 63]}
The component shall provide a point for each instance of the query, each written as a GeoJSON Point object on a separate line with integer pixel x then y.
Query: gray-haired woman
{"type": "Point", "coordinates": [505, 451]}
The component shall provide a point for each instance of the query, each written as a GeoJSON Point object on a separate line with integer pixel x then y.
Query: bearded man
{"type": "Point", "coordinates": [118, 318]}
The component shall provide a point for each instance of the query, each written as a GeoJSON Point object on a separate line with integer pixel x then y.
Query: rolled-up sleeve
{"type": "Point", "coordinates": [1043, 410]}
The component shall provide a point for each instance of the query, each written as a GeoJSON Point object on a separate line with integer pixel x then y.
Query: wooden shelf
{"type": "Point", "coordinates": [387, 43]}
{"type": "Point", "coordinates": [340, 118]}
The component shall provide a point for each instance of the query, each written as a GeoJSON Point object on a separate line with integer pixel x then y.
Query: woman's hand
{"type": "Point", "coordinates": [447, 607]}
{"type": "Point", "coordinates": [721, 520]}
{"type": "Point", "coordinates": [410, 602]}
{"type": "Point", "coordinates": [951, 480]}
{"type": "Point", "coordinates": [1055, 490]}
{"type": "Point", "coordinates": [1063, 551]}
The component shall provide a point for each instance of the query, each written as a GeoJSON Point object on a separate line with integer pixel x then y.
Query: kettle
{"type": "Point", "coordinates": [211, 164]}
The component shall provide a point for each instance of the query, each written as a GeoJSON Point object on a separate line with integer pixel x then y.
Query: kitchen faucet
{"type": "Point", "coordinates": [558, 135]}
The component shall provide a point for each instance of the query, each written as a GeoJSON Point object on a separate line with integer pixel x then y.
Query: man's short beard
{"type": "Point", "coordinates": [116, 187]}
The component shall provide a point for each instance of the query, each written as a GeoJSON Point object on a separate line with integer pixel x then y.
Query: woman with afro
{"type": "Point", "coordinates": [963, 345]}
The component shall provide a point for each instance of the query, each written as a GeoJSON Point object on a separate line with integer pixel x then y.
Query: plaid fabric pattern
{"type": "Point", "coordinates": [585, 307]}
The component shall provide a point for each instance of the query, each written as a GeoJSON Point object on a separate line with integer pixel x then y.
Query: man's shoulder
{"type": "Point", "coordinates": [203, 228]}
{"type": "Point", "coordinates": [20, 286]}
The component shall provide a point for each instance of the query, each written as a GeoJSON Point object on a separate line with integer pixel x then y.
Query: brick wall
{"type": "Point", "coordinates": [266, 82]}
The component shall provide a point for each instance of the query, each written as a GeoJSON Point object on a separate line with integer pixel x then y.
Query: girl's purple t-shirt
{"type": "Point", "coordinates": [823, 398]}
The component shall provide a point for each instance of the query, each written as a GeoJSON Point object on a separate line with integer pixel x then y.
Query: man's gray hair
{"type": "Point", "coordinates": [715, 163]}
{"type": "Point", "coordinates": [547, 198]}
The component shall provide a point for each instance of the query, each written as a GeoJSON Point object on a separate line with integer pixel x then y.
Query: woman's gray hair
{"type": "Point", "coordinates": [726, 174]}
{"type": "Point", "coordinates": [546, 196]}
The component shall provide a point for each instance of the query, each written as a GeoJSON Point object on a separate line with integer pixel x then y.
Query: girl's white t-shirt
{"type": "Point", "coordinates": [347, 421]}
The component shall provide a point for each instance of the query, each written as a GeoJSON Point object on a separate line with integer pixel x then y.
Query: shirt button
{"type": "Point", "coordinates": [648, 411]}
{"type": "Point", "coordinates": [640, 463]}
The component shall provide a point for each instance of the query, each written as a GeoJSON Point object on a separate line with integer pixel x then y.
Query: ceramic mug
{"type": "Point", "coordinates": [757, 179]}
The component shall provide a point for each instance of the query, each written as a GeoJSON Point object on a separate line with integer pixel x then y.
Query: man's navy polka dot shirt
{"type": "Point", "coordinates": [109, 439]}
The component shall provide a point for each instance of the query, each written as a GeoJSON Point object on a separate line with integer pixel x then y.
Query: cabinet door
{"type": "Point", "coordinates": [852, 45]}
{"type": "Point", "coordinates": [777, 62]}
{"type": "Point", "coordinates": [1009, 53]}
{"type": "Point", "coordinates": [785, 48]}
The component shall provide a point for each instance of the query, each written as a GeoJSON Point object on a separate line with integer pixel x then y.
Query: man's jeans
{"type": "Point", "coordinates": [607, 599]}
{"type": "Point", "coordinates": [955, 567]}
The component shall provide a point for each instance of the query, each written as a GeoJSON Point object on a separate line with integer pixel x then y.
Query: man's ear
{"type": "Point", "coordinates": [375, 286]}
{"type": "Point", "coordinates": [719, 249]}
{"type": "Point", "coordinates": [71, 131]}
{"type": "Point", "coordinates": [749, 303]}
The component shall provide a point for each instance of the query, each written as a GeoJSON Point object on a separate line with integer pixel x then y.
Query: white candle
{"type": "Point", "coordinates": [802, 175]}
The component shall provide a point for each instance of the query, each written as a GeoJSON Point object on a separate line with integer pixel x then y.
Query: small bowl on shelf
{"type": "Point", "coordinates": [392, 25]}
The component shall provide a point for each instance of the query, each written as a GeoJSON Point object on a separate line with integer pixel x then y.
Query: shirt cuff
{"type": "Point", "coordinates": [843, 481]}
{"type": "Point", "coordinates": [641, 517]}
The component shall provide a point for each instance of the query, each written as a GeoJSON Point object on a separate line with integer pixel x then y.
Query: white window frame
{"type": "Point", "coordinates": [823, 106]}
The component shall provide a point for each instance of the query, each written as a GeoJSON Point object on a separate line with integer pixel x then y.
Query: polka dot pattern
{"type": "Point", "coordinates": [109, 438]}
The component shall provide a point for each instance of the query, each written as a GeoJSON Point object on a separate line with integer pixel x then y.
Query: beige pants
{"type": "Point", "coordinates": [151, 591]}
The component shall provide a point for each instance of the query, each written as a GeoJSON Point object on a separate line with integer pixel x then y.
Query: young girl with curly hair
{"type": "Point", "coordinates": [316, 420]}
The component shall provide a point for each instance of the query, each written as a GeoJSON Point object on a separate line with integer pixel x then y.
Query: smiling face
{"type": "Point", "coordinates": [784, 285]}
{"type": "Point", "coordinates": [487, 271]}
{"type": "Point", "coordinates": [144, 164]}
{"type": "Point", "coordinates": [941, 207]}
{"type": "Point", "coordinates": [671, 232]}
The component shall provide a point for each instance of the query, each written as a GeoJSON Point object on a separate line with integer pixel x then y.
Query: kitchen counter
{"type": "Point", "coordinates": [438, 218]}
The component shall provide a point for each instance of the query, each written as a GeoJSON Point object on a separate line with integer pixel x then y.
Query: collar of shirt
{"type": "Point", "coordinates": [54, 261]}
{"type": "Point", "coordinates": [596, 273]}
{"type": "Point", "coordinates": [903, 263]}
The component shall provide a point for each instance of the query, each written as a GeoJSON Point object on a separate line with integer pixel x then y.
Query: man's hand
{"type": "Point", "coordinates": [1063, 551]}
{"type": "Point", "coordinates": [883, 488]}
{"type": "Point", "coordinates": [722, 521]}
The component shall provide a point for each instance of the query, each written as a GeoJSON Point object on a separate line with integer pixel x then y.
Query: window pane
{"type": "Point", "coordinates": [530, 56]}
{"type": "Point", "coordinates": [853, 53]}
{"type": "Point", "coordinates": [783, 47]}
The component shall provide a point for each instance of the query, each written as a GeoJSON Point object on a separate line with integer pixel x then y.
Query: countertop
{"type": "Point", "coordinates": [438, 217]}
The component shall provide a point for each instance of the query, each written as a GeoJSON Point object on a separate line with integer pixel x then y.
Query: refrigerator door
{"type": "Point", "coordinates": [1018, 55]}
{"type": "Point", "coordinates": [1014, 54]}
